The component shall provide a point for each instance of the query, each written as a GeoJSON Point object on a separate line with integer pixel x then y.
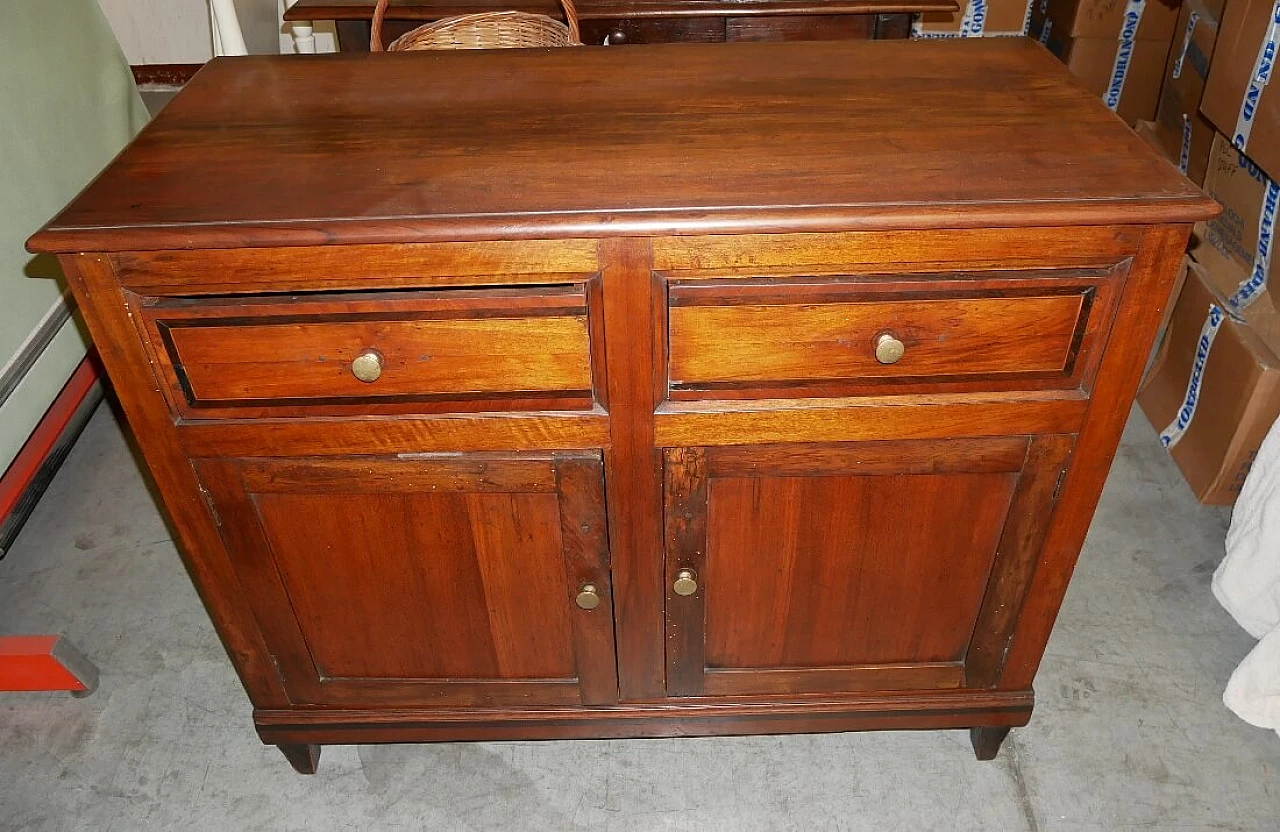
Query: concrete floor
{"type": "Point", "coordinates": [1129, 732]}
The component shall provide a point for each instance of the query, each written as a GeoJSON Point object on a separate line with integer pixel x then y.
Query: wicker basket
{"type": "Point", "coordinates": [488, 30]}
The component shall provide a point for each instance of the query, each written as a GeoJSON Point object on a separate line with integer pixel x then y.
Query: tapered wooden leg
{"type": "Point", "coordinates": [986, 741]}
{"type": "Point", "coordinates": [304, 758]}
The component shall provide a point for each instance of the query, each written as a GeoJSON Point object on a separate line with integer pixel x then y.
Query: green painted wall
{"type": "Point", "coordinates": [67, 105]}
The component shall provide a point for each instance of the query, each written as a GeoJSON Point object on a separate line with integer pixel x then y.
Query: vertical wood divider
{"type": "Point", "coordinates": [633, 469]}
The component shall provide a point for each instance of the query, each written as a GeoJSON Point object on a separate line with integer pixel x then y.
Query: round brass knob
{"type": "Point", "coordinates": [686, 582]}
{"type": "Point", "coordinates": [588, 598]}
{"type": "Point", "coordinates": [367, 366]}
{"type": "Point", "coordinates": [889, 350]}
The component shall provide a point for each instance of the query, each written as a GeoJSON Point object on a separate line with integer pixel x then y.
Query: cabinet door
{"type": "Point", "coordinates": [850, 567]}
{"type": "Point", "coordinates": [458, 580]}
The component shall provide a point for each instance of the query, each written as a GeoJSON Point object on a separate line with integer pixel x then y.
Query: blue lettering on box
{"type": "Point", "coordinates": [1124, 52]}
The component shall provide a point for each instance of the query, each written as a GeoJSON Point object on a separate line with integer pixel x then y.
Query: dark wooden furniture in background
{"type": "Point", "coordinates": [492, 404]}
{"type": "Point", "coordinates": [618, 22]}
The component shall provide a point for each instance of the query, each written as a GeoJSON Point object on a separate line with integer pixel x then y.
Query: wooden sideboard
{"type": "Point", "coordinates": [748, 388]}
{"type": "Point", "coordinates": [618, 22]}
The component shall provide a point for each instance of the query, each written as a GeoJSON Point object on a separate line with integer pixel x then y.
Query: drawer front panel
{"type": "Point", "coordinates": [313, 360]}
{"type": "Point", "coordinates": [845, 337]}
{"type": "Point", "coordinates": [799, 27]}
{"type": "Point", "coordinates": [634, 31]}
{"type": "Point", "coordinates": [717, 344]}
{"type": "Point", "coordinates": [472, 349]}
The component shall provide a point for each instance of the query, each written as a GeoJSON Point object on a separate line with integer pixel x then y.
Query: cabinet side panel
{"type": "Point", "coordinates": [1146, 289]}
{"type": "Point", "coordinates": [106, 314]}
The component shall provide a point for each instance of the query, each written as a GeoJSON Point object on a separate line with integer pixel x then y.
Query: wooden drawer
{"type": "Point", "coordinates": [822, 337]}
{"type": "Point", "coordinates": [640, 30]}
{"type": "Point", "coordinates": [799, 27]}
{"type": "Point", "coordinates": [631, 31]}
{"type": "Point", "coordinates": [376, 352]}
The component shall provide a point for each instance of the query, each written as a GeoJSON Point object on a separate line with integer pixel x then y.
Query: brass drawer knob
{"type": "Point", "coordinates": [889, 350]}
{"type": "Point", "coordinates": [367, 366]}
{"type": "Point", "coordinates": [686, 582]}
{"type": "Point", "coordinates": [588, 598]}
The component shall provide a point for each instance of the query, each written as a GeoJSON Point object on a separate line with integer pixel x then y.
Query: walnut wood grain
{"type": "Point", "coordinates": [866, 418]}
{"type": "Point", "coordinates": [1016, 557]}
{"type": "Point", "coordinates": [292, 355]}
{"type": "Point", "coordinates": [427, 167]}
{"type": "Point", "coordinates": [866, 711]}
{"type": "Point", "coordinates": [872, 550]}
{"type": "Point", "coordinates": [395, 435]}
{"type": "Point", "coordinates": [685, 531]}
{"type": "Point", "coordinates": [297, 353]}
{"type": "Point", "coordinates": [787, 540]}
{"type": "Point", "coordinates": [870, 677]}
{"type": "Point", "coordinates": [632, 468]}
{"type": "Point", "coordinates": [959, 454]}
{"type": "Point", "coordinates": [751, 344]}
{"type": "Point", "coordinates": [584, 532]}
{"type": "Point", "coordinates": [923, 250]}
{"type": "Point", "coordinates": [317, 268]}
{"type": "Point", "coordinates": [423, 580]}
{"type": "Point", "coordinates": [816, 308]}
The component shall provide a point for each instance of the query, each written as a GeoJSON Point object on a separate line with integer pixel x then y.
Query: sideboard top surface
{"type": "Point", "coordinates": [667, 139]}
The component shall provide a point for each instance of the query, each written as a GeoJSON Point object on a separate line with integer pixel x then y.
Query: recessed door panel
{"type": "Point", "coordinates": [448, 580]}
{"type": "Point", "coordinates": [846, 567]}
{"type": "Point", "coordinates": [830, 571]}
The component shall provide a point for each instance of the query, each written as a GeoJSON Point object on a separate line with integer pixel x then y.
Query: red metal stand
{"type": "Point", "coordinates": [30, 663]}
{"type": "Point", "coordinates": [45, 663]}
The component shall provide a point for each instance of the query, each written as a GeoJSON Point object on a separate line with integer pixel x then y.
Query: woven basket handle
{"type": "Point", "coordinates": [571, 18]}
{"type": "Point", "coordinates": [380, 13]}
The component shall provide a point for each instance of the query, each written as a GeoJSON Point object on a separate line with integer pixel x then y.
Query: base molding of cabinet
{"type": "Point", "coordinates": [996, 710]}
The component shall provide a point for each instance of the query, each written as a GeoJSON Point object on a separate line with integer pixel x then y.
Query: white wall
{"type": "Point", "coordinates": [68, 104]}
{"type": "Point", "coordinates": [177, 31]}
{"type": "Point", "coordinates": [161, 31]}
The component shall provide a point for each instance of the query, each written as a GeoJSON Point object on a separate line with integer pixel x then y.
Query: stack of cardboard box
{"type": "Point", "coordinates": [1116, 47]}
{"type": "Point", "coordinates": [1194, 77]}
{"type": "Point", "coordinates": [1180, 130]}
{"type": "Point", "coordinates": [1214, 388]}
{"type": "Point", "coordinates": [977, 18]}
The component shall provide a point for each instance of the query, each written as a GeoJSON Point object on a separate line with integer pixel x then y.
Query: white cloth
{"type": "Point", "coordinates": [228, 38]}
{"type": "Point", "coordinates": [1247, 584]}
